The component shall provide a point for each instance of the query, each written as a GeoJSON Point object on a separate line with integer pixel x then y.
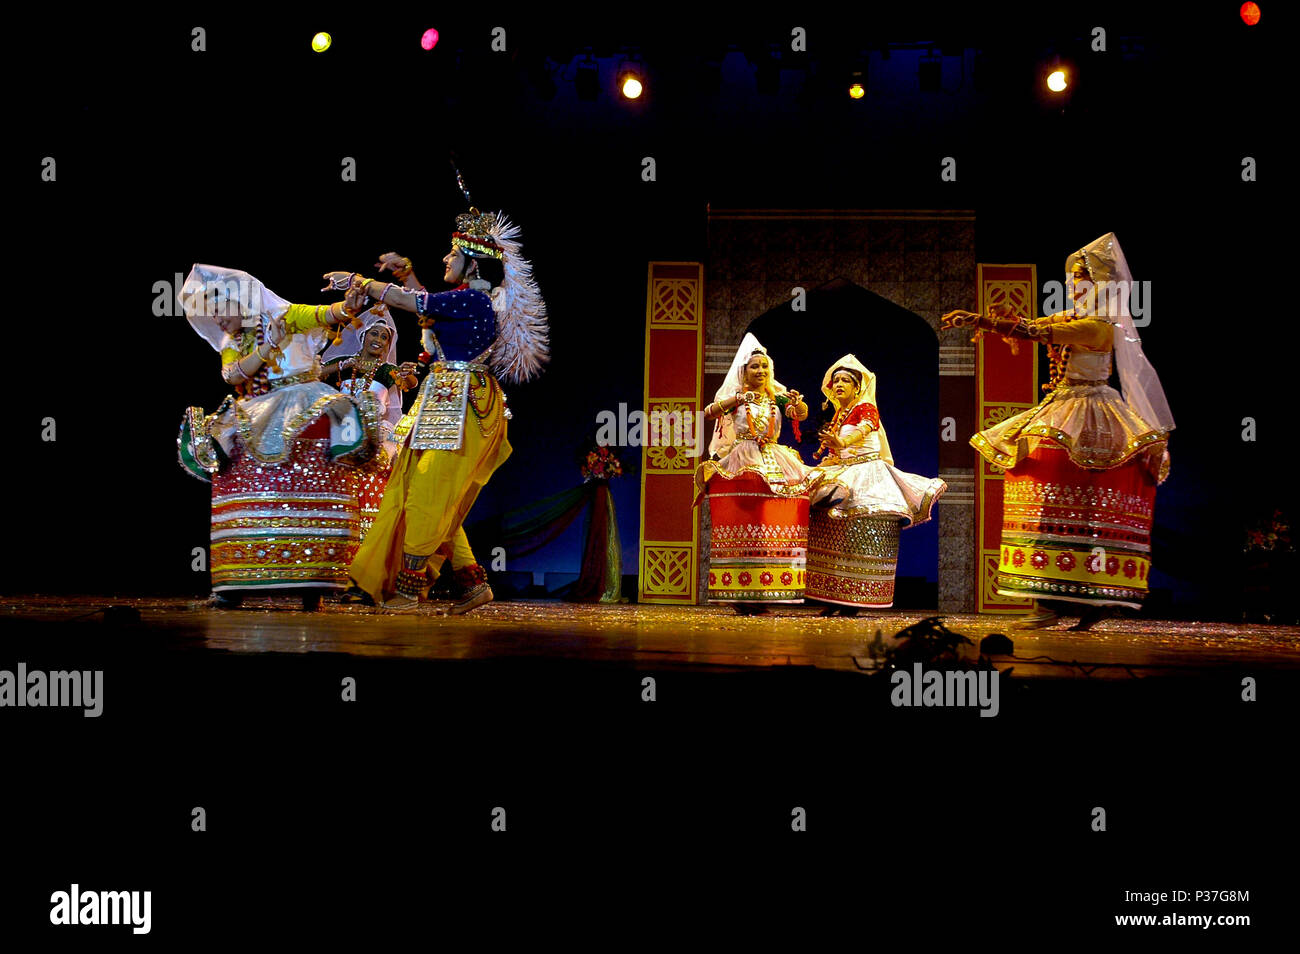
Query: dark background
{"type": "Point", "coordinates": [626, 819]}
{"type": "Point", "coordinates": [232, 156]}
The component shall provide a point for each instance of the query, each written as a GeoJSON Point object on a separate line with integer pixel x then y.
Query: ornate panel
{"type": "Point", "coordinates": [670, 433]}
{"type": "Point", "coordinates": [674, 302]}
{"type": "Point", "coordinates": [1006, 384]}
{"type": "Point", "coordinates": [668, 572]}
{"type": "Point", "coordinates": [674, 366]}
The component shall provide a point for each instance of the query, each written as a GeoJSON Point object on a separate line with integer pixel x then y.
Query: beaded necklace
{"type": "Point", "coordinates": [836, 423]}
{"type": "Point", "coordinates": [481, 413]}
{"type": "Point", "coordinates": [1058, 356]}
{"type": "Point", "coordinates": [260, 382]}
{"type": "Point", "coordinates": [750, 415]}
{"type": "Point", "coordinates": [367, 375]}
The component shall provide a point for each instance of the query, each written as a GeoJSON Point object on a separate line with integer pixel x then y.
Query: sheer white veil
{"type": "Point", "coordinates": [1112, 281]}
{"type": "Point", "coordinates": [866, 394]}
{"type": "Point", "coordinates": [724, 432]}
{"type": "Point", "coordinates": [207, 285]}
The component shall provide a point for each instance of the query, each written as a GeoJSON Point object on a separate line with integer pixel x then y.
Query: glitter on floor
{"type": "Point", "coordinates": [708, 638]}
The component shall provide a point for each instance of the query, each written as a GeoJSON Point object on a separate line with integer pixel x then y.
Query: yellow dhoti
{"type": "Point", "coordinates": [429, 494]}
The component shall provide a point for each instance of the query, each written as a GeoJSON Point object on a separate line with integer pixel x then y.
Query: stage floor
{"type": "Point", "coordinates": [699, 638]}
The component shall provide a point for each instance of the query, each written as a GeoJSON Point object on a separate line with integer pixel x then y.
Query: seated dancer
{"type": "Point", "coordinates": [1082, 467]}
{"type": "Point", "coordinates": [853, 541]}
{"type": "Point", "coordinates": [492, 324]}
{"type": "Point", "coordinates": [365, 360]}
{"type": "Point", "coordinates": [757, 488]}
{"type": "Point", "coordinates": [281, 455]}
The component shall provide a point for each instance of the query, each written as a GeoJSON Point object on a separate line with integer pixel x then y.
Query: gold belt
{"type": "Point", "coordinates": [859, 458]}
{"type": "Point", "coordinates": [1074, 383]}
{"type": "Point", "coordinates": [305, 377]}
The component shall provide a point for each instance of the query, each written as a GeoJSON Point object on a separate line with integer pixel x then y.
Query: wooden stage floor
{"type": "Point", "coordinates": [698, 638]}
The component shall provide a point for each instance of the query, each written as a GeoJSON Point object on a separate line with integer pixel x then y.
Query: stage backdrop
{"type": "Point", "coordinates": [901, 349]}
{"type": "Point", "coordinates": [920, 260]}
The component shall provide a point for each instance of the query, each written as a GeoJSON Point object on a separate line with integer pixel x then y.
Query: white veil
{"type": "Point", "coordinates": [867, 394]}
{"type": "Point", "coordinates": [724, 432]}
{"type": "Point", "coordinates": [1112, 280]}
{"type": "Point", "coordinates": [207, 285]}
{"type": "Point", "coordinates": [350, 344]}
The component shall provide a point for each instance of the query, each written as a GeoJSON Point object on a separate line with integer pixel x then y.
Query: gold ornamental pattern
{"type": "Point", "coordinates": [666, 569]}
{"type": "Point", "coordinates": [670, 434]}
{"type": "Point", "coordinates": [989, 577]}
{"type": "Point", "coordinates": [1013, 294]}
{"type": "Point", "coordinates": [675, 303]}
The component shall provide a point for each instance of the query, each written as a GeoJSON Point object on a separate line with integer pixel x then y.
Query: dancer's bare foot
{"type": "Point", "coordinates": [356, 596]}
{"type": "Point", "coordinates": [1036, 618]}
{"type": "Point", "coordinates": [474, 598]}
{"type": "Point", "coordinates": [400, 604]}
{"type": "Point", "coordinates": [1091, 616]}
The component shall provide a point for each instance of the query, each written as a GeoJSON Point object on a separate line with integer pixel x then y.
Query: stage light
{"type": "Point", "coordinates": [321, 42]}
{"type": "Point", "coordinates": [1056, 81]}
{"type": "Point", "coordinates": [630, 81]}
{"type": "Point", "coordinates": [430, 39]}
{"type": "Point", "coordinates": [587, 79]}
{"type": "Point", "coordinates": [856, 91]}
{"type": "Point", "coordinates": [1250, 13]}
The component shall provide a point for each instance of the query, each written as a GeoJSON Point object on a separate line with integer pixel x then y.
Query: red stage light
{"type": "Point", "coordinates": [430, 39]}
{"type": "Point", "coordinates": [1250, 13]}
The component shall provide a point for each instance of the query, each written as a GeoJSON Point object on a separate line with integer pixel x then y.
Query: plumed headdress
{"type": "Point", "coordinates": [523, 336]}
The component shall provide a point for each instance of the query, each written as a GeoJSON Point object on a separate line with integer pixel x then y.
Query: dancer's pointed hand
{"type": "Point", "coordinates": [959, 319]}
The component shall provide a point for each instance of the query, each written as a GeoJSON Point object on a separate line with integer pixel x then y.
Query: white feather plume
{"type": "Point", "coordinates": [523, 336]}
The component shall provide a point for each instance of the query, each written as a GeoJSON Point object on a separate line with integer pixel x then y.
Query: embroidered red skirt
{"type": "Point", "coordinates": [759, 542]}
{"type": "Point", "coordinates": [287, 525]}
{"type": "Point", "coordinates": [1075, 534]}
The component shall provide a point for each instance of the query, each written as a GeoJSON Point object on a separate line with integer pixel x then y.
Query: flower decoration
{"type": "Point", "coordinates": [601, 463]}
{"type": "Point", "coordinates": [1273, 533]}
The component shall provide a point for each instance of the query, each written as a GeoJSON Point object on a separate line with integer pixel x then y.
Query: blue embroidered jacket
{"type": "Point", "coordinates": [464, 321]}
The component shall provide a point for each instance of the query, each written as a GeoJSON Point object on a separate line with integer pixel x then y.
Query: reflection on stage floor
{"type": "Point", "coordinates": [701, 638]}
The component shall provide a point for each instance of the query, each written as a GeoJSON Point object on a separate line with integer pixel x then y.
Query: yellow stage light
{"type": "Point", "coordinates": [1056, 81]}
{"type": "Point", "coordinates": [321, 42]}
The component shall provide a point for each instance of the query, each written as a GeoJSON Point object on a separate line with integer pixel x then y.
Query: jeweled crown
{"type": "Point", "coordinates": [473, 234]}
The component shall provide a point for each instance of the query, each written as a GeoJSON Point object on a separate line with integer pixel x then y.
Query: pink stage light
{"type": "Point", "coordinates": [430, 39]}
